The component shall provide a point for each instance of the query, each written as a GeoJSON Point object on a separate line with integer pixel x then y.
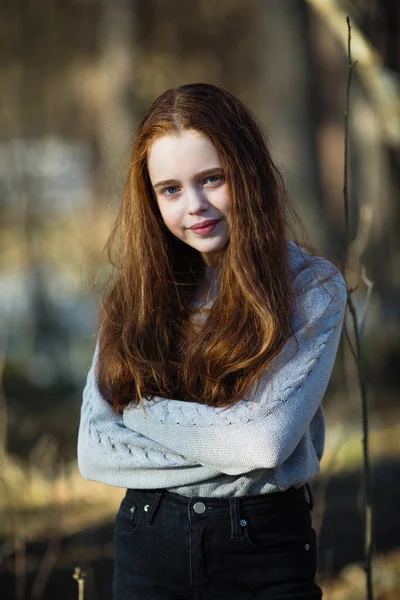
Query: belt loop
{"type": "Point", "coordinates": [149, 509]}
{"type": "Point", "coordinates": [311, 501]}
{"type": "Point", "coordinates": [235, 517]}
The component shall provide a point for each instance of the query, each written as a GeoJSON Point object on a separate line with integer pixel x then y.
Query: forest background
{"type": "Point", "coordinates": [76, 77]}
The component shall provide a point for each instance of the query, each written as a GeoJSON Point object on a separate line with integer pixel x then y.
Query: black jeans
{"type": "Point", "coordinates": [172, 547]}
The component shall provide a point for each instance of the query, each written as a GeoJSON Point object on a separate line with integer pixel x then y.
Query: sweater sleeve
{"type": "Point", "coordinates": [111, 453]}
{"type": "Point", "coordinates": [261, 431]}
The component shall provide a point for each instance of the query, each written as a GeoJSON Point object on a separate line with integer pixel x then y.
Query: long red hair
{"type": "Point", "coordinates": [148, 345]}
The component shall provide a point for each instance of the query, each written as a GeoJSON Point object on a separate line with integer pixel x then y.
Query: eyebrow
{"type": "Point", "coordinates": [199, 175]}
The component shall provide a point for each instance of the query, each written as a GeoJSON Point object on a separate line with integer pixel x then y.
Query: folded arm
{"type": "Point", "coordinates": [111, 453]}
{"type": "Point", "coordinates": [260, 432]}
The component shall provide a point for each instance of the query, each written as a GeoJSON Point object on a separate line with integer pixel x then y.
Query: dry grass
{"type": "Point", "coordinates": [343, 449]}
{"type": "Point", "coordinates": [37, 505]}
{"type": "Point", "coordinates": [350, 584]}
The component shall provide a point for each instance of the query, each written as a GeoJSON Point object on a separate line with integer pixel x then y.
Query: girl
{"type": "Point", "coordinates": [216, 340]}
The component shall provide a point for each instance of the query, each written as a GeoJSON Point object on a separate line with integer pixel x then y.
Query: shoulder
{"type": "Point", "coordinates": [316, 280]}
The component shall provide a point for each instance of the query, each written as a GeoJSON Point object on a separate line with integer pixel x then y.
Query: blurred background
{"type": "Point", "coordinates": [76, 77]}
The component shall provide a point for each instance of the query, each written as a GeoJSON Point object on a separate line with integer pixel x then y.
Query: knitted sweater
{"type": "Point", "coordinates": [267, 442]}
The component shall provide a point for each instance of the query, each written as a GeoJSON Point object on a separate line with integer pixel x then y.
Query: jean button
{"type": "Point", "coordinates": [199, 507]}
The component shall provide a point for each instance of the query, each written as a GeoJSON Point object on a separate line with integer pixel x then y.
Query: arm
{"type": "Point", "coordinates": [111, 453]}
{"type": "Point", "coordinates": [265, 432]}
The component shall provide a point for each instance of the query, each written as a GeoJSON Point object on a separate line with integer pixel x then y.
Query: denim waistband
{"type": "Point", "coordinates": [292, 497]}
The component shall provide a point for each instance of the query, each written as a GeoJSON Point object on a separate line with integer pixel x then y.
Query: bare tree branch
{"type": "Point", "coordinates": [376, 79]}
{"type": "Point", "coordinates": [367, 491]}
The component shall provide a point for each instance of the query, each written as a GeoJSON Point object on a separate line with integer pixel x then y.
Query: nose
{"type": "Point", "coordinates": [196, 200]}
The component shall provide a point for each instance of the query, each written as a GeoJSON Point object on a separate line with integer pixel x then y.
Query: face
{"type": "Point", "coordinates": [189, 185]}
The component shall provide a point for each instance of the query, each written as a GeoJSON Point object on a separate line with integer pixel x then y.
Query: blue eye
{"type": "Point", "coordinates": [174, 188]}
{"type": "Point", "coordinates": [213, 177]}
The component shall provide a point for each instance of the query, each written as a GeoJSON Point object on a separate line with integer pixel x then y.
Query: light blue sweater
{"type": "Point", "coordinates": [265, 443]}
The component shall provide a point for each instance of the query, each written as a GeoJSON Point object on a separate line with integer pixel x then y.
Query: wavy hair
{"type": "Point", "coordinates": [148, 343]}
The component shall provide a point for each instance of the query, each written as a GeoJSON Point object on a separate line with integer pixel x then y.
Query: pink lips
{"type": "Point", "coordinates": [205, 230]}
{"type": "Point", "coordinates": [205, 224]}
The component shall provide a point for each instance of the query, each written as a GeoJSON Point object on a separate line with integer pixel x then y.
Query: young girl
{"type": "Point", "coordinates": [216, 340]}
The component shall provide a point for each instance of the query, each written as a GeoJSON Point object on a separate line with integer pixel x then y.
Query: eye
{"type": "Point", "coordinates": [215, 178]}
{"type": "Point", "coordinates": [170, 191]}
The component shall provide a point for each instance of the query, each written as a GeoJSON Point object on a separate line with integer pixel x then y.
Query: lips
{"type": "Point", "coordinates": [204, 224]}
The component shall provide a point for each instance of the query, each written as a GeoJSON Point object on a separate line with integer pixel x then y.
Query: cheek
{"type": "Point", "coordinates": [221, 201]}
{"type": "Point", "coordinates": [171, 215]}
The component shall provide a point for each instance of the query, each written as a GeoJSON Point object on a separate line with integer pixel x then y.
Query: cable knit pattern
{"type": "Point", "coordinates": [110, 453]}
{"type": "Point", "coordinates": [269, 441]}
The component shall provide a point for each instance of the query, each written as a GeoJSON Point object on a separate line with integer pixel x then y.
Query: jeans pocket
{"type": "Point", "coordinates": [262, 538]}
{"type": "Point", "coordinates": [128, 518]}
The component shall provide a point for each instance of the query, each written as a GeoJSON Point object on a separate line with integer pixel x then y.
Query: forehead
{"type": "Point", "coordinates": [175, 155]}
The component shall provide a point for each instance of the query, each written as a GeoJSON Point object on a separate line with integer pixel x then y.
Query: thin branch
{"type": "Point", "coordinates": [381, 87]}
{"type": "Point", "coordinates": [367, 495]}
{"type": "Point", "coordinates": [80, 577]}
{"type": "Point", "coordinates": [346, 139]}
